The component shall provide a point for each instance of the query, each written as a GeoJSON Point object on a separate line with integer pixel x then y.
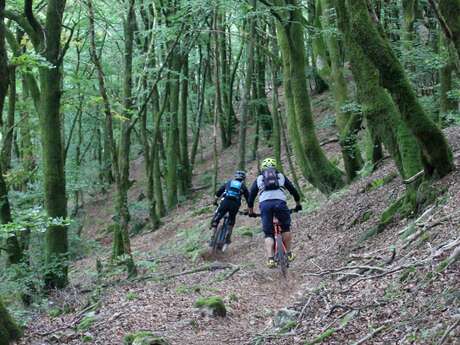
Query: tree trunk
{"type": "Point", "coordinates": [261, 108]}
{"type": "Point", "coordinates": [173, 180]}
{"type": "Point", "coordinates": [124, 184]}
{"type": "Point", "coordinates": [446, 104]}
{"type": "Point", "coordinates": [9, 125]}
{"type": "Point", "coordinates": [322, 173]}
{"type": "Point", "coordinates": [51, 135]}
{"type": "Point", "coordinates": [276, 133]}
{"type": "Point", "coordinates": [201, 104]}
{"type": "Point", "coordinates": [245, 104]}
{"type": "Point", "coordinates": [9, 331]}
{"type": "Point", "coordinates": [437, 154]}
{"type": "Point", "coordinates": [186, 173]}
{"type": "Point", "coordinates": [347, 123]}
{"type": "Point", "coordinates": [108, 131]}
{"type": "Point", "coordinates": [450, 10]}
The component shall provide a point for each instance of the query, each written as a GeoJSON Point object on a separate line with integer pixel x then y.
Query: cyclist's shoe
{"type": "Point", "coordinates": [271, 263]}
{"type": "Point", "coordinates": [225, 247]}
{"type": "Point", "coordinates": [290, 257]}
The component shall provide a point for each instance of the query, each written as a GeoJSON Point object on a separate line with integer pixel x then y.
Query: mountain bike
{"type": "Point", "coordinates": [280, 257]}
{"type": "Point", "coordinates": [219, 237]}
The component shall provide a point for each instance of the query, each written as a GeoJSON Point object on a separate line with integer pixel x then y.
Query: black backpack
{"type": "Point", "coordinates": [270, 179]}
{"type": "Point", "coordinates": [233, 190]}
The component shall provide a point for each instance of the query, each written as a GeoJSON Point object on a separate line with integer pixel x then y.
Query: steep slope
{"type": "Point", "coordinates": [412, 302]}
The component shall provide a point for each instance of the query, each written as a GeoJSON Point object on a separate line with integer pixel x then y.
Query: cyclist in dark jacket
{"type": "Point", "coordinates": [230, 194]}
{"type": "Point", "coordinates": [272, 203]}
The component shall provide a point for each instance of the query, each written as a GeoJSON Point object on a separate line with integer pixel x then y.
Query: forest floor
{"type": "Point", "coordinates": [393, 288]}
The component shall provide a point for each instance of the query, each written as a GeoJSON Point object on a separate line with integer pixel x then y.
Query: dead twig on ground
{"type": "Point", "coordinates": [71, 324]}
{"type": "Point", "coordinates": [302, 312]}
{"type": "Point", "coordinates": [346, 268]}
{"type": "Point", "coordinates": [447, 332]}
{"type": "Point", "coordinates": [211, 267]}
{"type": "Point", "coordinates": [369, 336]}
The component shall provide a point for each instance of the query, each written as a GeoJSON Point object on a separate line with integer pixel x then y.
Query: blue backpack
{"type": "Point", "coordinates": [234, 189]}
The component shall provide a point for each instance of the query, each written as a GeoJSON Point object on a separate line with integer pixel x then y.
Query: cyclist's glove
{"type": "Point", "coordinates": [298, 207]}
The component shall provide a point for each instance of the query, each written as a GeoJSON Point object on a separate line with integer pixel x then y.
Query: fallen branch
{"type": "Point", "coordinates": [415, 177]}
{"type": "Point", "coordinates": [397, 269]}
{"type": "Point", "coordinates": [228, 276]}
{"type": "Point", "coordinates": [329, 141]}
{"type": "Point", "coordinates": [302, 312]}
{"type": "Point", "coordinates": [447, 332]}
{"type": "Point", "coordinates": [72, 324]}
{"type": "Point", "coordinates": [346, 268]}
{"type": "Point", "coordinates": [369, 336]}
{"type": "Point", "coordinates": [211, 267]}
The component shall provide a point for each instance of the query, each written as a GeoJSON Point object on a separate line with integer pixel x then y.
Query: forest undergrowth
{"type": "Point", "coordinates": [399, 286]}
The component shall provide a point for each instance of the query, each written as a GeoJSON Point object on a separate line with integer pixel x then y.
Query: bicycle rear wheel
{"type": "Point", "coordinates": [219, 237]}
{"type": "Point", "coordinates": [281, 256]}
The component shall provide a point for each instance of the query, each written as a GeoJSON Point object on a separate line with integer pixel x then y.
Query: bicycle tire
{"type": "Point", "coordinates": [219, 237]}
{"type": "Point", "coordinates": [281, 256]}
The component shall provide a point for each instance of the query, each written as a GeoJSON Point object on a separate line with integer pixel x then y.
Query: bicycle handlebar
{"type": "Point", "coordinates": [255, 215]}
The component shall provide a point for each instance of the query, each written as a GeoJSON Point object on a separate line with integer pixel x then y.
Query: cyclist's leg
{"type": "Point", "coordinates": [232, 212]}
{"type": "Point", "coordinates": [284, 217]}
{"type": "Point", "coordinates": [266, 213]}
{"type": "Point", "coordinates": [219, 214]}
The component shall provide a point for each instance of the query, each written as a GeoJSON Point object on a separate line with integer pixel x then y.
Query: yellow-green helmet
{"type": "Point", "coordinates": [268, 163]}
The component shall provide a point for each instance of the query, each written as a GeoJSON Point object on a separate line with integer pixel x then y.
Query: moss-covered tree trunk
{"type": "Point", "coordinates": [9, 124]}
{"type": "Point", "coordinates": [172, 142]}
{"type": "Point", "coordinates": [108, 131]}
{"type": "Point", "coordinates": [204, 65]}
{"type": "Point", "coordinates": [446, 104]}
{"type": "Point", "coordinates": [324, 175]}
{"type": "Point", "coordinates": [124, 184]}
{"type": "Point", "coordinates": [347, 123]}
{"type": "Point", "coordinates": [246, 102]}
{"type": "Point", "coordinates": [52, 145]}
{"type": "Point", "coordinates": [437, 154]}
{"type": "Point", "coordinates": [274, 69]}
{"type": "Point", "coordinates": [9, 331]}
{"type": "Point", "coordinates": [450, 10]}
{"type": "Point", "coordinates": [261, 108]}
{"type": "Point", "coordinates": [186, 173]}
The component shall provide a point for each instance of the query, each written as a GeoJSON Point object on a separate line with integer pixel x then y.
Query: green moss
{"type": "Point", "coordinates": [129, 338]}
{"type": "Point", "coordinates": [131, 296]}
{"type": "Point", "coordinates": [87, 339]}
{"type": "Point", "coordinates": [55, 312]}
{"type": "Point", "coordinates": [215, 304]}
{"type": "Point", "coordinates": [9, 331]}
{"type": "Point", "coordinates": [86, 322]}
{"type": "Point", "coordinates": [245, 231]}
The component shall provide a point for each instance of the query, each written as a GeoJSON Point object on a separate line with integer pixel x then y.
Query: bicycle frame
{"type": "Point", "coordinates": [280, 247]}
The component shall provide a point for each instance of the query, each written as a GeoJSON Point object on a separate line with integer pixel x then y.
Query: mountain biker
{"type": "Point", "coordinates": [230, 193]}
{"type": "Point", "coordinates": [272, 203]}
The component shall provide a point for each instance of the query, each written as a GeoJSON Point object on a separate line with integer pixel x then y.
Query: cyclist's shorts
{"type": "Point", "coordinates": [227, 205]}
{"type": "Point", "coordinates": [274, 208]}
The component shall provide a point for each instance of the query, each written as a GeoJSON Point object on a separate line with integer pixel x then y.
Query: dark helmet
{"type": "Point", "coordinates": [240, 175]}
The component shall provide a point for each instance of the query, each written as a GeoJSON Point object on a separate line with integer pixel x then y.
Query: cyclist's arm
{"type": "Point", "coordinates": [291, 189]}
{"type": "Point", "coordinates": [246, 194]}
{"type": "Point", "coordinates": [252, 194]}
{"type": "Point", "coordinates": [221, 191]}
